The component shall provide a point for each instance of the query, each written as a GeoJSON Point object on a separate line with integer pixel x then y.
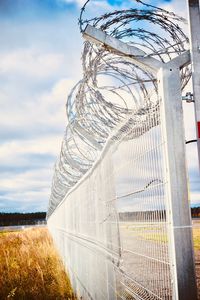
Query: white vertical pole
{"type": "Point", "coordinates": [194, 21]}
{"type": "Point", "coordinates": [179, 217]}
{"type": "Point", "coordinates": [182, 260]}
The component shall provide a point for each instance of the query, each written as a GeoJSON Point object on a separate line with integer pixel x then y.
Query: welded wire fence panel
{"type": "Point", "coordinates": [109, 211]}
{"type": "Point", "coordinates": [142, 206]}
{"type": "Point", "coordinates": [112, 227]}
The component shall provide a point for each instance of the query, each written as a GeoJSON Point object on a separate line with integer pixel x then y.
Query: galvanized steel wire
{"type": "Point", "coordinates": [112, 87]}
{"type": "Point", "coordinates": [109, 211]}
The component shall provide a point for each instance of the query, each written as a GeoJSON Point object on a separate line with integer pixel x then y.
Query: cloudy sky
{"type": "Point", "coordinates": [40, 50]}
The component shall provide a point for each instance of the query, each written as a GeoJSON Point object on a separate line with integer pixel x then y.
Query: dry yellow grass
{"type": "Point", "coordinates": [196, 236]}
{"type": "Point", "coordinates": [30, 267]}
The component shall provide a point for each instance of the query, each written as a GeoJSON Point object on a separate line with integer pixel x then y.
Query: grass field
{"type": "Point", "coordinates": [30, 267]}
{"type": "Point", "coordinates": [196, 239]}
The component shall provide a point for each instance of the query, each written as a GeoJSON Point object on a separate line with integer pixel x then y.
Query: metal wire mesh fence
{"type": "Point", "coordinates": [110, 212]}
{"type": "Point", "coordinates": [113, 87]}
{"type": "Point", "coordinates": [113, 226]}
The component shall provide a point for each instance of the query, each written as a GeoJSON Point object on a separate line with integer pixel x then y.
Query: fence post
{"type": "Point", "coordinates": [179, 219]}
{"type": "Point", "coordinates": [194, 21]}
{"type": "Point", "coordinates": [178, 210]}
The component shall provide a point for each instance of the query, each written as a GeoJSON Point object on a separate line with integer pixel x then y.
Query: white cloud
{"type": "Point", "coordinates": [33, 102]}
{"type": "Point", "coordinates": [43, 113]}
{"type": "Point", "coordinates": [27, 163]}
{"type": "Point", "coordinates": [30, 62]}
{"type": "Point", "coordinates": [176, 7]}
{"type": "Point", "coordinates": [36, 58]}
{"type": "Point", "coordinates": [95, 3]}
{"type": "Point", "coordinates": [43, 145]}
{"type": "Point", "coordinates": [26, 191]}
{"type": "Point", "coordinates": [195, 198]}
{"type": "Point", "coordinates": [20, 185]}
{"type": "Point", "coordinates": [79, 2]}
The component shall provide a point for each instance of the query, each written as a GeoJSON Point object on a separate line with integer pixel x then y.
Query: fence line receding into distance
{"type": "Point", "coordinates": [110, 211]}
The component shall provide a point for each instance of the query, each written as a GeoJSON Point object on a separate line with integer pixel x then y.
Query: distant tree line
{"type": "Point", "coordinates": [144, 216]}
{"type": "Point", "coordinates": [150, 216]}
{"type": "Point", "coordinates": [14, 219]}
{"type": "Point", "coordinates": [195, 212]}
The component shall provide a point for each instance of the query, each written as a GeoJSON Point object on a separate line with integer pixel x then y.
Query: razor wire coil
{"type": "Point", "coordinates": [113, 88]}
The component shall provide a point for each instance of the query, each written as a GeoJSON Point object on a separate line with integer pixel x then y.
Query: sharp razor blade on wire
{"type": "Point", "coordinates": [114, 90]}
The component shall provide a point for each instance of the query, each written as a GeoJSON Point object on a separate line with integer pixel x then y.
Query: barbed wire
{"type": "Point", "coordinates": [114, 90]}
